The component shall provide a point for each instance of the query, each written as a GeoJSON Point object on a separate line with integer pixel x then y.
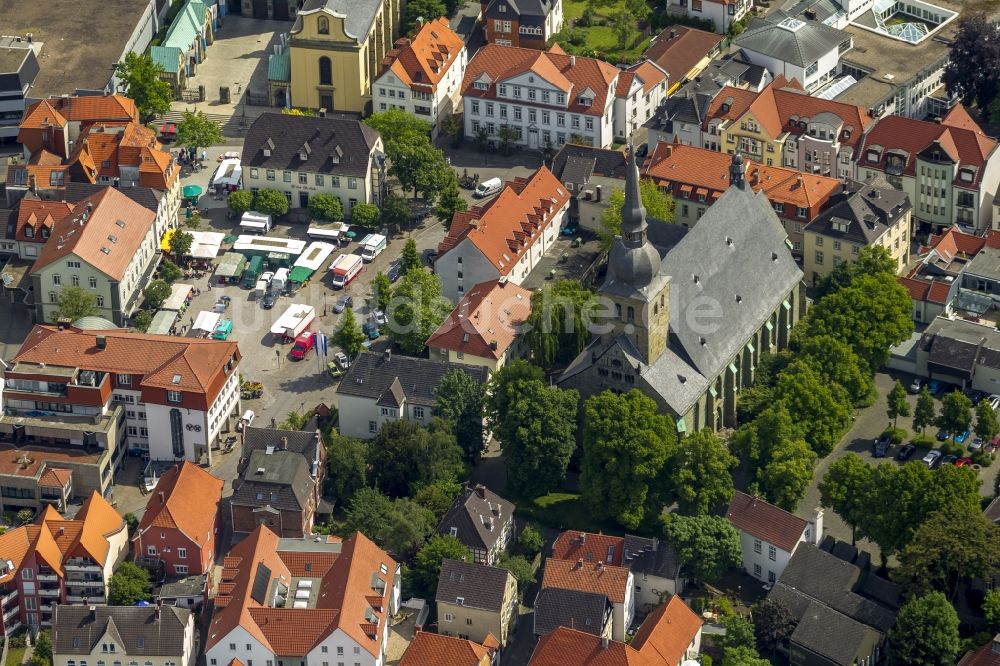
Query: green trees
{"type": "Point", "coordinates": [987, 426]}
{"type": "Point", "coordinates": [530, 541]}
{"type": "Point", "coordinates": [404, 456]}
{"type": "Point", "coordinates": [503, 389]}
{"type": "Point", "coordinates": [240, 201]}
{"type": "Point", "coordinates": [773, 623]}
{"type": "Point", "coordinates": [956, 413]}
{"type": "Point", "coordinates": [417, 164]}
{"type": "Point", "coordinates": [327, 207]}
{"type": "Point", "coordinates": [707, 545]}
{"type": "Point", "coordinates": [141, 320]}
{"type": "Point", "coordinates": [427, 565]}
{"type": "Point", "coordinates": [538, 435]}
{"type": "Point", "coordinates": [347, 464]}
{"type": "Point", "coordinates": [365, 214]}
{"type": "Point", "coordinates": [75, 302]}
{"type": "Point", "coordinates": [409, 259]}
{"type": "Point", "coordinates": [155, 293]}
{"type": "Point", "coordinates": [951, 544]}
{"type": "Point", "coordinates": [821, 408]}
{"type": "Point", "coordinates": [698, 473]}
{"type": "Point", "coordinates": [836, 362]}
{"type": "Point", "coordinates": [397, 124]}
{"type": "Point", "coordinates": [140, 76]}
{"type": "Point", "coordinates": [197, 131]}
{"type": "Point", "coordinates": [270, 202]}
{"type": "Point", "coordinates": [626, 443]}
{"type": "Point", "coordinates": [401, 526]}
{"type": "Point", "coordinates": [558, 324]}
{"type": "Point", "coordinates": [417, 309]}
{"type": "Point", "coordinates": [459, 400]}
{"type": "Point", "coordinates": [659, 206]}
{"type": "Point", "coordinates": [381, 291]}
{"type": "Point", "coordinates": [521, 568]}
{"type": "Point", "coordinates": [170, 272]}
{"type": "Point", "coordinates": [971, 71]}
{"type": "Point", "coordinates": [845, 488]}
{"type": "Point", "coordinates": [129, 584]}
{"type": "Point", "coordinates": [180, 244]}
{"type": "Point", "coordinates": [437, 497]}
{"type": "Point", "coordinates": [349, 336]}
{"type": "Point", "coordinates": [42, 653]}
{"type": "Point", "coordinates": [924, 413]}
{"type": "Point", "coordinates": [991, 609]}
{"type": "Point", "coordinates": [426, 9]}
{"type": "Point", "coordinates": [395, 212]}
{"type": "Point", "coordinates": [450, 202]}
{"type": "Point", "coordinates": [926, 632]}
{"type": "Point", "coordinates": [898, 404]}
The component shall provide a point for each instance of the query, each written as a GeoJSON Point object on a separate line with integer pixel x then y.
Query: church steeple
{"type": "Point", "coordinates": [633, 212]}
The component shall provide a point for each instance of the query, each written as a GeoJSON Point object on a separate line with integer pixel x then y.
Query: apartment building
{"type": "Point", "coordinates": [722, 13]}
{"type": "Point", "coordinates": [640, 90]}
{"type": "Point", "coordinates": [159, 636]}
{"type": "Point", "coordinates": [524, 24]}
{"type": "Point", "coordinates": [769, 535]}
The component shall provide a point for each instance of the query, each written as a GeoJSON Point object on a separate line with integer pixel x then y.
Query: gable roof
{"type": "Point", "coordinates": [571, 74]}
{"type": "Point", "coordinates": [587, 650]}
{"type": "Point", "coordinates": [533, 10]}
{"type": "Point", "coordinates": [556, 607]}
{"type": "Point", "coordinates": [148, 197]}
{"type": "Point", "coordinates": [187, 499]}
{"type": "Point", "coordinates": [149, 630]}
{"type": "Point", "coordinates": [868, 210]}
{"type": "Point", "coordinates": [807, 43]}
{"type": "Point", "coordinates": [575, 545]}
{"type": "Point", "coordinates": [477, 585]}
{"type": "Point", "coordinates": [279, 479]}
{"type": "Point", "coordinates": [427, 649]}
{"type": "Point", "coordinates": [478, 515]}
{"type": "Point", "coordinates": [106, 230]}
{"type": "Point", "coordinates": [987, 655]}
{"type": "Point", "coordinates": [765, 521]}
{"type": "Point", "coordinates": [679, 48]}
{"type": "Point", "coordinates": [577, 164]}
{"type": "Point", "coordinates": [486, 322]}
{"type": "Point", "coordinates": [667, 632]}
{"type": "Point", "coordinates": [334, 146]}
{"type": "Point", "coordinates": [371, 374]}
{"type": "Point", "coordinates": [607, 579]}
{"type": "Point", "coordinates": [646, 72]}
{"type": "Point", "coordinates": [505, 228]}
{"type": "Point", "coordinates": [38, 214]}
{"type": "Point", "coordinates": [423, 60]}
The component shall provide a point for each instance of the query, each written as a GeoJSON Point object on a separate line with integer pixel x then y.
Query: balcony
{"type": "Point", "coordinates": [8, 598]}
{"type": "Point", "coordinates": [81, 565]}
{"type": "Point", "coordinates": [46, 608]}
{"type": "Point", "coordinates": [11, 628]}
{"type": "Point", "coordinates": [48, 592]}
{"type": "Point", "coordinates": [9, 613]}
{"type": "Point", "coordinates": [47, 578]}
{"type": "Point", "coordinates": [91, 598]}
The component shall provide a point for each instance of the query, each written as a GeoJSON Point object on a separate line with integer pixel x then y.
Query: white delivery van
{"type": "Point", "coordinates": [372, 246]}
{"type": "Point", "coordinates": [488, 188]}
{"type": "Point", "coordinates": [280, 280]}
{"type": "Point", "coordinates": [260, 289]}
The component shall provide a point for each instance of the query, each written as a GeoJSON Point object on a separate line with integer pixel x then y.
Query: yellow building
{"type": "Point", "coordinates": [336, 47]}
{"type": "Point", "coordinates": [868, 215]}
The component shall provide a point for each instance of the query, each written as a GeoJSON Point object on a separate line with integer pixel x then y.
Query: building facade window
{"type": "Point", "coordinates": [176, 432]}
{"type": "Point", "coordinates": [325, 72]}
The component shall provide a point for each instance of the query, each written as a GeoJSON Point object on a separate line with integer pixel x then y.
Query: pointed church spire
{"type": "Point", "coordinates": [633, 212]}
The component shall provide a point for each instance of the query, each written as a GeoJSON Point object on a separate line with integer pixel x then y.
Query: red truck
{"type": "Point", "coordinates": [303, 343]}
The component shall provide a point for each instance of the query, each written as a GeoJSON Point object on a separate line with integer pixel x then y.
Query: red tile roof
{"type": "Point", "coordinates": [987, 655]}
{"type": "Point", "coordinates": [120, 145]}
{"type": "Point", "coordinates": [679, 48]}
{"type": "Point", "coordinates": [53, 477]}
{"type": "Point", "coordinates": [425, 59]}
{"type": "Point", "coordinates": [187, 499]}
{"type": "Point", "coordinates": [678, 164]}
{"type": "Point", "coordinates": [554, 648]}
{"type": "Point", "coordinates": [607, 579]}
{"type": "Point", "coordinates": [667, 632]}
{"type": "Point", "coordinates": [571, 74]}
{"type": "Point", "coordinates": [649, 73]}
{"type": "Point", "coordinates": [931, 291]}
{"type": "Point", "coordinates": [765, 521]}
{"type": "Point", "coordinates": [39, 214]}
{"type": "Point", "coordinates": [506, 227]}
{"type": "Point", "coordinates": [574, 545]}
{"type": "Point", "coordinates": [428, 649]}
{"type": "Point", "coordinates": [963, 141]}
{"type": "Point", "coordinates": [486, 321]}
{"type": "Point", "coordinates": [197, 365]}
{"type": "Point", "coordinates": [952, 242]}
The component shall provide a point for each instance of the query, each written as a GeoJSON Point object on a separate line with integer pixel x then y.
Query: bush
{"type": "Point", "coordinates": [926, 441]}
{"type": "Point", "coordinates": [141, 320]}
{"type": "Point", "coordinates": [898, 435]}
{"type": "Point", "coordinates": [950, 448]}
{"type": "Point", "coordinates": [271, 202]}
{"type": "Point", "coordinates": [530, 541]}
{"type": "Point", "coordinates": [240, 201]}
{"type": "Point", "coordinates": [170, 272]}
{"type": "Point", "coordinates": [365, 214]}
{"type": "Point", "coordinates": [154, 294]}
{"type": "Point", "coordinates": [326, 207]}
{"type": "Point", "coordinates": [982, 458]}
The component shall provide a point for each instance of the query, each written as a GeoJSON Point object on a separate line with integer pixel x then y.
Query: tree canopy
{"type": "Point", "coordinates": [349, 336]}
{"type": "Point", "coordinates": [347, 463]}
{"type": "Point", "coordinates": [129, 584]}
{"type": "Point", "coordinates": [365, 214]}
{"type": "Point", "coordinates": [698, 473]}
{"type": "Point", "coordinates": [140, 76]}
{"type": "Point", "coordinates": [926, 632]}
{"type": "Point", "coordinates": [558, 326]}
{"type": "Point", "coordinates": [459, 400]}
{"type": "Point", "coordinates": [326, 207]}
{"type": "Point", "coordinates": [956, 413]}
{"type": "Point", "coordinates": [845, 488]}
{"type": "Point", "coordinates": [417, 309]}
{"type": "Point", "coordinates": [971, 72]}
{"type": "Point", "coordinates": [405, 455]}
{"type": "Point", "coordinates": [659, 206]}
{"type": "Point", "coordinates": [240, 201]}
{"type": "Point", "coordinates": [75, 302]}
{"type": "Point", "coordinates": [197, 131]}
{"type": "Point", "coordinates": [707, 545]}
{"type": "Point", "coordinates": [626, 445]}
{"type": "Point", "coordinates": [427, 566]}
{"type": "Point", "coordinates": [822, 408]}
{"type": "Point", "coordinates": [270, 202]}
{"type": "Point", "coordinates": [180, 244]}
{"type": "Point", "coordinates": [155, 293]}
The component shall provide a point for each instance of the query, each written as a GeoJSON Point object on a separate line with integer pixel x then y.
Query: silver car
{"type": "Point", "coordinates": [932, 457]}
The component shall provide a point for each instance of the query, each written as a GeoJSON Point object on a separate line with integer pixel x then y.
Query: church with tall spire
{"type": "Point", "coordinates": [687, 324]}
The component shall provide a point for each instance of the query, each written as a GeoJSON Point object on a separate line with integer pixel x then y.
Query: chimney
{"type": "Point", "coordinates": [572, 61]}
{"type": "Point", "coordinates": [481, 490]}
{"type": "Point", "coordinates": [93, 611]}
{"type": "Point", "coordinates": [597, 193]}
{"type": "Point", "coordinates": [388, 355]}
{"type": "Point", "coordinates": [600, 565]}
{"type": "Point", "coordinates": [583, 538]}
{"type": "Point", "coordinates": [673, 33]}
{"type": "Point", "coordinates": [817, 526]}
{"type": "Point", "coordinates": [101, 342]}
{"type": "Point", "coordinates": [579, 563]}
{"type": "Point", "coordinates": [63, 323]}
{"type": "Point", "coordinates": [156, 611]}
{"type": "Point", "coordinates": [605, 642]}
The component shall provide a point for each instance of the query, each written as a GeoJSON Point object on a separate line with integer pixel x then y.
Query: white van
{"type": "Point", "coordinates": [488, 188]}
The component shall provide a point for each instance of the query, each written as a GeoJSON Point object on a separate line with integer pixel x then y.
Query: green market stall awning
{"type": "Point", "coordinates": [191, 191]}
{"type": "Point", "coordinates": [300, 274]}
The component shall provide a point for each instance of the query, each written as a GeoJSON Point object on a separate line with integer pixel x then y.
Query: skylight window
{"type": "Point", "coordinates": [792, 24]}
{"type": "Point", "coordinates": [176, 379]}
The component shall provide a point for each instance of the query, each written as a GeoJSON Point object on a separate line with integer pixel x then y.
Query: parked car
{"type": "Point", "coordinates": [963, 462]}
{"type": "Point", "coordinates": [932, 458]}
{"type": "Point", "coordinates": [246, 420]}
{"type": "Point", "coordinates": [974, 395]}
{"type": "Point", "coordinates": [267, 276]}
{"type": "Point", "coordinates": [380, 318]}
{"type": "Point", "coordinates": [941, 435]}
{"type": "Point", "coordinates": [976, 444]}
{"type": "Point", "coordinates": [934, 386]}
{"type": "Point", "coordinates": [961, 437]}
{"type": "Point", "coordinates": [881, 446]}
{"type": "Point", "coordinates": [994, 401]}
{"type": "Point", "coordinates": [270, 298]}
{"type": "Point", "coordinates": [340, 358]}
{"type": "Point", "coordinates": [343, 303]}
{"type": "Point", "coordinates": [906, 452]}
{"type": "Point", "coordinates": [993, 446]}
{"type": "Point", "coordinates": [949, 460]}
{"type": "Point", "coordinates": [916, 385]}
{"type": "Point", "coordinates": [393, 272]}
{"type": "Point", "coordinates": [370, 329]}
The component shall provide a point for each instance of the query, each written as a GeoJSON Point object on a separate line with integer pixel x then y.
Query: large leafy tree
{"type": "Point", "coordinates": [698, 473]}
{"type": "Point", "coordinates": [397, 125]}
{"type": "Point", "coordinates": [427, 564]}
{"type": "Point", "coordinates": [270, 202]}
{"type": "Point", "coordinates": [395, 212]}
{"type": "Point", "coordinates": [381, 291]}
{"type": "Point", "coordinates": [836, 362]}
{"type": "Point", "coordinates": [707, 545]}
{"type": "Point", "coordinates": [926, 632]}
{"type": "Point", "coordinates": [659, 206]}
{"type": "Point", "coordinates": [745, 655]}
{"type": "Point", "coordinates": [846, 488]}
{"type": "Point", "coordinates": [349, 336]}
{"type": "Point", "coordinates": [897, 403]}
{"type": "Point", "coordinates": [558, 327]}
{"type": "Point", "coordinates": [872, 260]}
{"type": "Point", "coordinates": [924, 414]}
{"type": "Point", "coordinates": [240, 201]}
{"type": "Point", "coordinates": [326, 207]}
{"type": "Point", "coordinates": [418, 165]}
{"type": "Point", "coordinates": [155, 293]}
{"type": "Point", "coordinates": [180, 244]}
{"type": "Point", "coordinates": [437, 497]}
{"type": "Point", "coordinates": [626, 445]}
{"type": "Point", "coordinates": [823, 409]}
{"type": "Point", "coordinates": [197, 131]}
{"type": "Point", "coordinates": [773, 623]}
{"type": "Point", "coordinates": [458, 399]}
{"type": "Point", "coordinates": [405, 455]}
{"type": "Point", "coordinates": [128, 585]}
{"type": "Point", "coordinates": [991, 609]}
{"type": "Point", "coordinates": [956, 413]}
{"type": "Point", "coordinates": [503, 390]}
{"type": "Point", "coordinates": [417, 309]}
{"type": "Point", "coordinates": [368, 512]}
{"type": "Point", "coordinates": [409, 258]}
{"type": "Point", "coordinates": [987, 426]}
{"type": "Point", "coordinates": [365, 214]}
{"type": "Point", "coordinates": [347, 463]}
{"type": "Point", "coordinates": [401, 526]}
{"type": "Point", "coordinates": [450, 202]}
{"type": "Point", "coordinates": [75, 302]}
{"type": "Point", "coordinates": [971, 72]}
{"type": "Point", "coordinates": [788, 473]}
{"type": "Point", "coordinates": [871, 315]}
{"type": "Point", "coordinates": [140, 76]}
{"type": "Point", "coordinates": [538, 436]}
{"type": "Point", "coordinates": [950, 545]}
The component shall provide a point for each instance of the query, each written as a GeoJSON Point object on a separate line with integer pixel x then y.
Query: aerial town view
{"type": "Point", "coordinates": [499, 332]}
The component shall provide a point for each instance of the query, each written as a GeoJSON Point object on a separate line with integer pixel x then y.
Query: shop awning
{"type": "Point", "coordinates": [300, 274]}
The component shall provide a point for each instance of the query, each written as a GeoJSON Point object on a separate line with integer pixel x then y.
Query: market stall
{"type": "Point", "coordinates": [230, 268]}
{"type": "Point", "coordinates": [163, 322]}
{"type": "Point", "coordinates": [206, 244]}
{"type": "Point", "coordinates": [205, 324]}
{"type": "Point", "coordinates": [178, 299]}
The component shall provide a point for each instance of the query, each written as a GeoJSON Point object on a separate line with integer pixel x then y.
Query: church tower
{"type": "Point", "coordinates": [639, 292]}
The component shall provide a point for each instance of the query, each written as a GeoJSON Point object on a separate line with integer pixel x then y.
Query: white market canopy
{"type": "Point", "coordinates": [206, 244]}
{"type": "Point", "coordinates": [178, 296]}
{"type": "Point", "coordinates": [206, 321]}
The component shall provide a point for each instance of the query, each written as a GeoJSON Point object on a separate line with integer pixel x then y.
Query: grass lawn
{"type": "Point", "coordinates": [601, 37]}
{"type": "Point", "coordinates": [563, 511]}
{"type": "Point", "coordinates": [15, 656]}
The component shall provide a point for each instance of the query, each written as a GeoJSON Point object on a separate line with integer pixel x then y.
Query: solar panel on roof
{"type": "Point", "coordinates": [260, 582]}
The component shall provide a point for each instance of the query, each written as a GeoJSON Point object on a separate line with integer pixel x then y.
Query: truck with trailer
{"type": "Point", "coordinates": [372, 246]}
{"type": "Point", "coordinates": [344, 269]}
{"type": "Point", "coordinates": [293, 322]}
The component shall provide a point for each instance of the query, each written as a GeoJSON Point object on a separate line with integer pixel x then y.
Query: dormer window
{"type": "Point", "coordinates": [29, 232]}
{"type": "Point", "coordinates": [966, 175]}
{"type": "Point", "coordinates": [481, 85]}
{"type": "Point", "coordinates": [503, 9]}
{"type": "Point", "coordinates": [586, 101]}
{"type": "Point", "coordinates": [874, 155]}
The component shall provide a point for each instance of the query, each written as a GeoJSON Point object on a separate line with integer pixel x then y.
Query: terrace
{"type": "Point", "coordinates": [909, 21]}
